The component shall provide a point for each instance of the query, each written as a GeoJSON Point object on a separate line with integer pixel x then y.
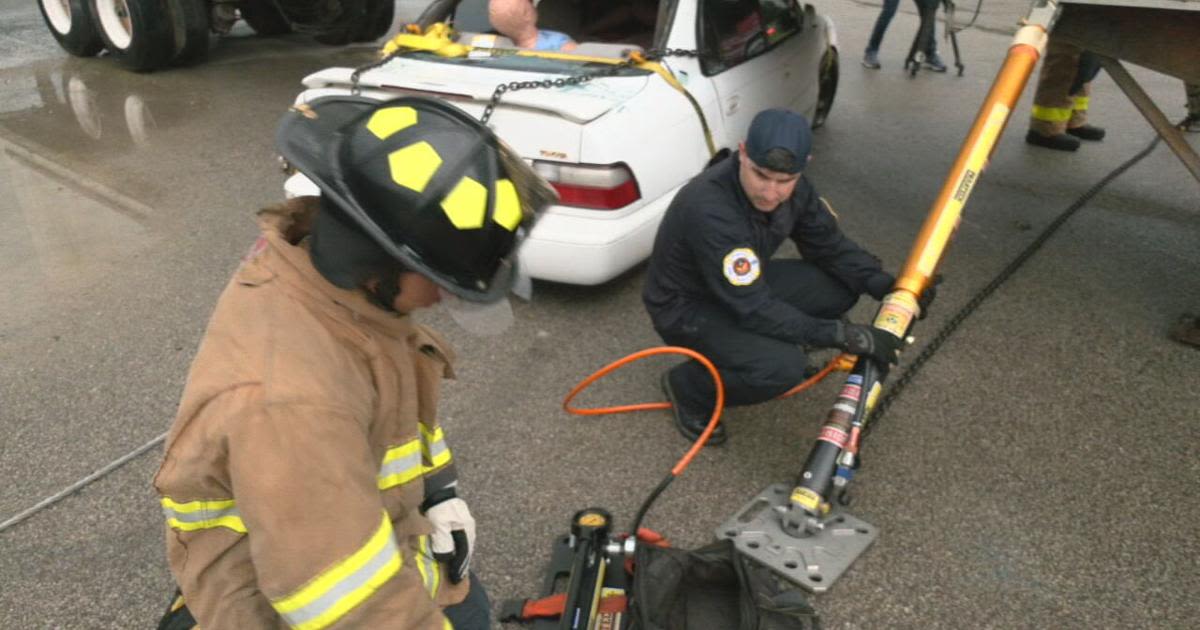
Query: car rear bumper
{"type": "Point", "coordinates": [585, 250]}
{"type": "Point", "coordinates": [572, 248]}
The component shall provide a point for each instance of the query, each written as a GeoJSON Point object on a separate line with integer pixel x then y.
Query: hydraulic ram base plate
{"type": "Point", "coordinates": [814, 561]}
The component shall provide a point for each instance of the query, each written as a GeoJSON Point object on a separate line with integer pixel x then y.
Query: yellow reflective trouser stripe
{"type": "Point", "coordinates": [195, 515]}
{"type": "Point", "coordinates": [335, 592]}
{"type": "Point", "coordinates": [431, 576]}
{"type": "Point", "coordinates": [434, 445]}
{"type": "Point", "coordinates": [1082, 102]}
{"type": "Point", "coordinates": [1051, 114]}
{"type": "Point", "coordinates": [401, 465]}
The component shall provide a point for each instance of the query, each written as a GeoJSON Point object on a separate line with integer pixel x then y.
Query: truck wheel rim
{"type": "Point", "coordinates": [114, 19]}
{"type": "Point", "coordinates": [58, 13]}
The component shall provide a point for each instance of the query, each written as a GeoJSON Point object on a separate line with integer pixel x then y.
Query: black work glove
{"type": "Point", "coordinates": [926, 297]}
{"type": "Point", "coordinates": [869, 341]}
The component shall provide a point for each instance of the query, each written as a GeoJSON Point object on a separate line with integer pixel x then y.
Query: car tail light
{"type": "Point", "coordinates": [605, 187]}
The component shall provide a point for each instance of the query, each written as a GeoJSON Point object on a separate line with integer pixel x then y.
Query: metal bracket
{"type": "Point", "coordinates": [814, 561]}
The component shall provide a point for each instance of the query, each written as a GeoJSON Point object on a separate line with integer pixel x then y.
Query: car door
{"type": "Point", "coordinates": [752, 57]}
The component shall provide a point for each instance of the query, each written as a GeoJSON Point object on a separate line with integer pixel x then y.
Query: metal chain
{"type": "Point", "coordinates": [581, 78]}
{"type": "Point", "coordinates": [950, 326]}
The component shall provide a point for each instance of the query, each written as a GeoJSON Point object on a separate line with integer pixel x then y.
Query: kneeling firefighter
{"type": "Point", "coordinates": [306, 482]}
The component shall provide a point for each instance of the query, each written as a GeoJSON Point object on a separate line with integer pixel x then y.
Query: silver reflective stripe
{"type": "Point", "coordinates": [428, 567]}
{"type": "Point", "coordinates": [436, 451]}
{"type": "Point", "coordinates": [197, 515]}
{"type": "Point", "coordinates": [400, 471]}
{"type": "Point", "coordinates": [401, 465]}
{"type": "Point", "coordinates": [434, 444]}
{"type": "Point", "coordinates": [328, 597]}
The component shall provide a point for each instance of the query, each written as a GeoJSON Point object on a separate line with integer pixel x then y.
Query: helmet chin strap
{"type": "Point", "coordinates": [385, 290]}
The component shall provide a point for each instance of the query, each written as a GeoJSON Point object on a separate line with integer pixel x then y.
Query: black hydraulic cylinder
{"type": "Point", "coordinates": [589, 534]}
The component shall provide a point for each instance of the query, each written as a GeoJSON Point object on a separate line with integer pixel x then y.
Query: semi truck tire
{"type": "Point", "coordinates": [380, 14]}
{"type": "Point", "coordinates": [190, 28]}
{"type": "Point", "coordinates": [72, 25]}
{"type": "Point", "coordinates": [137, 33]}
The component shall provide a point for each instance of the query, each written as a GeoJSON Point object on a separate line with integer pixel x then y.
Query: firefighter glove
{"type": "Point", "coordinates": [453, 538]}
{"type": "Point", "coordinates": [868, 341]}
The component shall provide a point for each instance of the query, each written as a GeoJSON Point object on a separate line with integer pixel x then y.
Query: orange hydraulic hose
{"type": "Point", "coordinates": [838, 361]}
{"type": "Point", "coordinates": [642, 354]}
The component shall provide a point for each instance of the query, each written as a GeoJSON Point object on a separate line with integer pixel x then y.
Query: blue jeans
{"type": "Point", "coordinates": [885, 18]}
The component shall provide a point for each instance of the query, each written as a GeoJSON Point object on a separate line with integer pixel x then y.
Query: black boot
{"type": "Point", "coordinates": [691, 424]}
{"type": "Point", "coordinates": [1061, 142]}
{"type": "Point", "coordinates": [1087, 132]}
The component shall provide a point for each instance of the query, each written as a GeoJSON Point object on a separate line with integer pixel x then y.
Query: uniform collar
{"type": "Point", "coordinates": [283, 249]}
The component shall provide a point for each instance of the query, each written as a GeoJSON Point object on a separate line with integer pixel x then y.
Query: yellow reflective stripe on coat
{"type": "Point", "coordinates": [433, 443]}
{"type": "Point", "coordinates": [1051, 114]}
{"type": "Point", "coordinates": [401, 464]}
{"type": "Point", "coordinates": [196, 515]}
{"type": "Point", "coordinates": [1082, 102]}
{"type": "Point", "coordinates": [431, 575]}
{"type": "Point", "coordinates": [332, 594]}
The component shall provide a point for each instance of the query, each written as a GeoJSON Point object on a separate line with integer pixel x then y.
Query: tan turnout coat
{"type": "Point", "coordinates": [303, 443]}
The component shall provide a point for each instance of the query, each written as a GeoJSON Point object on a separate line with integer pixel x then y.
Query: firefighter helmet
{"type": "Point", "coordinates": [430, 185]}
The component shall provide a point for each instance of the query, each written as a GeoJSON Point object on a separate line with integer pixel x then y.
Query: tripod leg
{"type": "Point", "coordinates": [952, 33]}
{"type": "Point", "coordinates": [957, 58]}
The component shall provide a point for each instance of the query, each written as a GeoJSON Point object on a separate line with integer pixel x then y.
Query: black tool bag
{"type": "Point", "coordinates": [713, 588]}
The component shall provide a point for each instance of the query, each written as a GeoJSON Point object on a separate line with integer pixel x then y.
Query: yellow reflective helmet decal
{"type": "Point", "coordinates": [389, 120]}
{"type": "Point", "coordinates": [466, 205]}
{"type": "Point", "coordinates": [414, 165]}
{"type": "Point", "coordinates": [508, 205]}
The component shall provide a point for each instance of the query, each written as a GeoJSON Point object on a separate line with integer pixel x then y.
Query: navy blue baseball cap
{"type": "Point", "coordinates": [779, 129]}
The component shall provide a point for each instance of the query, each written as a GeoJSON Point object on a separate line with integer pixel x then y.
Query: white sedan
{"type": "Point", "coordinates": [616, 147]}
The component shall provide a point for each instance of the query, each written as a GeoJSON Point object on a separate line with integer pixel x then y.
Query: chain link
{"type": "Point", "coordinates": [630, 61]}
{"type": "Point", "coordinates": [950, 326]}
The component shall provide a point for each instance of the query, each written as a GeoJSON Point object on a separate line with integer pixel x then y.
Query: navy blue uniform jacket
{"type": "Point", "coordinates": [713, 247]}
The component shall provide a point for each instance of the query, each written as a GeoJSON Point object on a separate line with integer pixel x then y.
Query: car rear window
{"type": "Point", "coordinates": [500, 60]}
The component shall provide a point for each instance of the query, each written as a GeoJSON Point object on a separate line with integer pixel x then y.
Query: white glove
{"type": "Point", "coordinates": [453, 538]}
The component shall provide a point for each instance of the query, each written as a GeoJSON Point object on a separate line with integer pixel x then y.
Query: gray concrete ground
{"type": "Point", "coordinates": [1040, 472]}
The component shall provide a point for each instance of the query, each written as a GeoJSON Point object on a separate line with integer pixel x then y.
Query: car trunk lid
{"type": "Point", "coordinates": [540, 123]}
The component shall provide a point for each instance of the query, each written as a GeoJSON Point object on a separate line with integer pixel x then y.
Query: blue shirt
{"type": "Point", "coordinates": [551, 40]}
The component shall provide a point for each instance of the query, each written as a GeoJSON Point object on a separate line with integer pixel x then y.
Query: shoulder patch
{"type": "Point", "coordinates": [741, 266]}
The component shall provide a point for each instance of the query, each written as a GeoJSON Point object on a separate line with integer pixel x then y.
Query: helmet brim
{"type": "Point", "coordinates": [309, 137]}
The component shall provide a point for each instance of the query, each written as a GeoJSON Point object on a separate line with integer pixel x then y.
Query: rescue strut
{"type": "Point", "coordinates": [802, 534]}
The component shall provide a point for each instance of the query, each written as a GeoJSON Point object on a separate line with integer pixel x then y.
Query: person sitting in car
{"type": "Point", "coordinates": [517, 20]}
{"type": "Point", "coordinates": [629, 21]}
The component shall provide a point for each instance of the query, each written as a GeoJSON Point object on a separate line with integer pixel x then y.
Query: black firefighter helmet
{"type": "Point", "coordinates": [432, 187]}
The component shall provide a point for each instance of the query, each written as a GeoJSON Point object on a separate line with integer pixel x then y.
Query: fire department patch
{"type": "Point", "coordinates": [741, 267]}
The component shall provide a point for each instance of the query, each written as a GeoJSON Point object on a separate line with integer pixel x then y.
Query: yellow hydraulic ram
{"type": "Point", "coordinates": [830, 463]}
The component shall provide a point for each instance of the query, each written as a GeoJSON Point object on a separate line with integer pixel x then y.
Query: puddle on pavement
{"type": "Point", "coordinates": [96, 162]}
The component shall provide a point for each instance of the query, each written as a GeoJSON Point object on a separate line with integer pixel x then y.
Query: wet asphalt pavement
{"type": "Point", "coordinates": [1039, 472]}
